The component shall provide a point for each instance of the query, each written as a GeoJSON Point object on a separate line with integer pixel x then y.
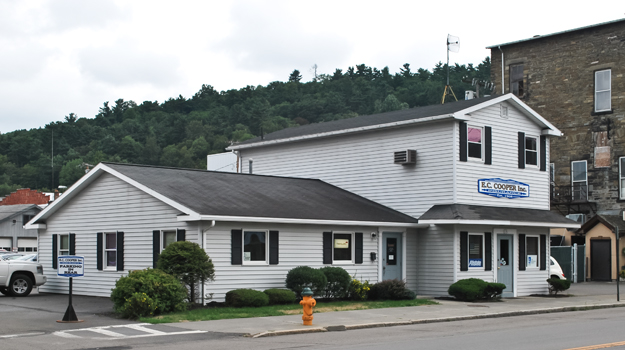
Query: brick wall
{"type": "Point", "coordinates": [25, 196]}
{"type": "Point", "coordinates": [558, 77]}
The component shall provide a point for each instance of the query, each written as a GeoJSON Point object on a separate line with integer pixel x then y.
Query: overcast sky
{"type": "Point", "coordinates": [63, 56]}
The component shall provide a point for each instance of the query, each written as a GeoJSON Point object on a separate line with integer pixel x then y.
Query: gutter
{"type": "Point", "coordinates": [498, 223]}
{"type": "Point", "coordinates": [187, 218]}
{"type": "Point", "coordinates": [503, 81]}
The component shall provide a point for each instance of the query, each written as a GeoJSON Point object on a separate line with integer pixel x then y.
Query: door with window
{"type": "Point", "coordinates": [391, 255]}
{"type": "Point", "coordinates": [505, 268]}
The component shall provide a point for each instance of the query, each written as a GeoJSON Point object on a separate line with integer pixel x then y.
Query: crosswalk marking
{"type": "Point", "coordinates": [109, 332]}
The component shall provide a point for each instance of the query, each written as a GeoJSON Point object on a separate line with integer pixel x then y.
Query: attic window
{"type": "Point", "coordinates": [516, 80]}
{"type": "Point", "coordinates": [408, 156]}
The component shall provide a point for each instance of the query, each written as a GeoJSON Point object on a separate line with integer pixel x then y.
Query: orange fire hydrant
{"type": "Point", "coordinates": [307, 303]}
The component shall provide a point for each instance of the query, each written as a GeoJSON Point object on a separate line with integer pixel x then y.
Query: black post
{"type": "Point", "coordinates": [70, 315]}
{"type": "Point", "coordinates": [618, 268]}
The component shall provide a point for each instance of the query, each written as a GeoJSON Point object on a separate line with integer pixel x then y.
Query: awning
{"type": "Point", "coordinates": [450, 214]}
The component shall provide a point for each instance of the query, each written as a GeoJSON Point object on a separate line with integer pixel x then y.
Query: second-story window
{"type": "Point", "coordinates": [474, 138]}
{"type": "Point", "coordinates": [579, 180]}
{"type": "Point", "coordinates": [516, 80]}
{"type": "Point", "coordinates": [603, 90]}
{"type": "Point", "coordinates": [531, 151]}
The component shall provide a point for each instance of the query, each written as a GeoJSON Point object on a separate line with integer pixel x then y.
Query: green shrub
{"type": "Point", "coordinates": [338, 281]}
{"type": "Point", "coordinates": [622, 274]}
{"type": "Point", "coordinates": [280, 296]}
{"type": "Point", "coordinates": [359, 290]}
{"type": "Point", "coordinates": [303, 276]}
{"type": "Point", "coordinates": [470, 289]}
{"type": "Point", "coordinates": [165, 290]}
{"type": "Point", "coordinates": [493, 290]}
{"type": "Point", "coordinates": [390, 290]}
{"type": "Point", "coordinates": [188, 262]}
{"type": "Point", "coordinates": [138, 305]}
{"type": "Point", "coordinates": [246, 297]}
{"type": "Point", "coordinates": [557, 285]}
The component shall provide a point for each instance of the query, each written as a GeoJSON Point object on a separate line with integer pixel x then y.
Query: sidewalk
{"type": "Point", "coordinates": [585, 296]}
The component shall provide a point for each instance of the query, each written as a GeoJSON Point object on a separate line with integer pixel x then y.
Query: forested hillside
{"type": "Point", "coordinates": [180, 132]}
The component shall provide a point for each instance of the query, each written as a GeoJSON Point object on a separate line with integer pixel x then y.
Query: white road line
{"type": "Point", "coordinates": [152, 335]}
{"type": "Point", "coordinates": [139, 327]}
{"type": "Point", "coordinates": [105, 332]}
{"type": "Point", "coordinates": [21, 335]}
{"type": "Point", "coordinates": [114, 335]}
{"type": "Point", "coordinates": [65, 335]}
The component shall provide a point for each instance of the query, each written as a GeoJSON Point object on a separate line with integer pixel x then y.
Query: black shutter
{"type": "Point", "coordinates": [55, 250]}
{"type": "Point", "coordinates": [327, 247]}
{"type": "Point", "coordinates": [72, 244]}
{"type": "Point", "coordinates": [521, 150]}
{"type": "Point", "coordinates": [358, 248]}
{"type": "Point", "coordinates": [543, 249]}
{"type": "Point", "coordinates": [488, 145]}
{"type": "Point", "coordinates": [156, 247]}
{"type": "Point", "coordinates": [522, 258]}
{"type": "Point", "coordinates": [98, 247]}
{"type": "Point", "coordinates": [181, 235]}
{"type": "Point", "coordinates": [236, 254]}
{"type": "Point", "coordinates": [543, 153]}
{"type": "Point", "coordinates": [273, 248]}
{"type": "Point", "coordinates": [464, 249]}
{"type": "Point", "coordinates": [488, 250]}
{"type": "Point", "coordinates": [463, 142]}
{"type": "Point", "coordinates": [120, 251]}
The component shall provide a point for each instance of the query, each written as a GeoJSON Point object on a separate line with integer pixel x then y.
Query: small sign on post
{"type": "Point", "coordinates": [70, 266]}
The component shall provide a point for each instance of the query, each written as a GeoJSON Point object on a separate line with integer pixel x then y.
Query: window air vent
{"type": "Point", "coordinates": [581, 218]}
{"type": "Point", "coordinates": [406, 157]}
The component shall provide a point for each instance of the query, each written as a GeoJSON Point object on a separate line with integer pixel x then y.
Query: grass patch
{"type": "Point", "coordinates": [221, 313]}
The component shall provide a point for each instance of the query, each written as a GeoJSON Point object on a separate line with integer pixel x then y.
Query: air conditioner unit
{"type": "Point", "coordinates": [408, 156]}
{"type": "Point", "coordinates": [581, 218]}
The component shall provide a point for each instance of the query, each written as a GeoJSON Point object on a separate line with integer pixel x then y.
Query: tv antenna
{"type": "Point", "coordinates": [453, 45]}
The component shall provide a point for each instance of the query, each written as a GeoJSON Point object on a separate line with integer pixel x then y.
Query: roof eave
{"type": "Point", "coordinates": [298, 221]}
{"type": "Point", "coordinates": [498, 223]}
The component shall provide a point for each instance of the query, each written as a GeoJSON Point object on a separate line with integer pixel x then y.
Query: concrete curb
{"type": "Point", "coordinates": [436, 320]}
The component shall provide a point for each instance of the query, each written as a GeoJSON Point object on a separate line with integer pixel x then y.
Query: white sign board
{"type": "Point", "coordinates": [71, 266]}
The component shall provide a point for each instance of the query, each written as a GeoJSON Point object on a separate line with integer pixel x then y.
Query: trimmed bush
{"type": "Point", "coordinates": [469, 289]}
{"type": "Point", "coordinates": [391, 290]}
{"type": "Point", "coordinates": [338, 282]}
{"type": "Point", "coordinates": [557, 285]}
{"type": "Point", "coordinates": [303, 276]}
{"type": "Point", "coordinates": [138, 305]}
{"type": "Point", "coordinates": [358, 291]}
{"type": "Point", "coordinates": [164, 290]}
{"type": "Point", "coordinates": [188, 262]}
{"type": "Point", "coordinates": [280, 296]}
{"type": "Point", "coordinates": [246, 297]}
{"type": "Point", "coordinates": [494, 290]}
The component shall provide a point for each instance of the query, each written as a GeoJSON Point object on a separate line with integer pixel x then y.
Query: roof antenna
{"type": "Point", "coordinates": [453, 45]}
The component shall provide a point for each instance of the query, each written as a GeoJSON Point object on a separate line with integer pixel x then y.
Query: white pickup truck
{"type": "Point", "coordinates": [17, 278]}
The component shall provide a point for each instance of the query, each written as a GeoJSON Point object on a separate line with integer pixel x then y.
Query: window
{"type": "Point", "coordinates": [474, 138]}
{"type": "Point", "coordinates": [476, 251]}
{"type": "Point", "coordinates": [342, 247]}
{"type": "Point", "coordinates": [579, 180]}
{"type": "Point", "coordinates": [167, 238]}
{"type": "Point", "coordinates": [255, 247]}
{"type": "Point", "coordinates": [63, 244]}
{"type": "Point", "coordinates": [621, 176]}
{"type": "Point", "coordinates": [516, 80]}
{"type": "Point", "coordinates": [26, 218]}
{"type": "Point", "coordinates": [110, 251]}
{"type": "Point", "coordinates": [532, 252]}
{"type": "Point", "coordinates": [531, 151]}
{"type": "Point", "coordinates": [603, 90]}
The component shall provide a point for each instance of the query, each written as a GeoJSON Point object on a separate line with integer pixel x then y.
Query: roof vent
{"type": "Point", "coordinates": [408, 156]}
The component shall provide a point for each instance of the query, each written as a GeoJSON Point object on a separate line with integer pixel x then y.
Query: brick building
{"type": "Point", "coordinates": [26, 196]}
{"type": "Point", "coordinates": [574, 79]}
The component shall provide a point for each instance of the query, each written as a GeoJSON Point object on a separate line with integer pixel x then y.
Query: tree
{"type": "Point", "coordinates": [295, 77]}
{"type": "Point", "coordinates": [71, 172]}
{"type": "Point", "coordinates": [188, 262]}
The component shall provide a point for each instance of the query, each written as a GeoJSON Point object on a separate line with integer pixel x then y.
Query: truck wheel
{"type": "Point", "coordinates": [3, 290]}
{"type": "Point", "coordinates": [20, 286]}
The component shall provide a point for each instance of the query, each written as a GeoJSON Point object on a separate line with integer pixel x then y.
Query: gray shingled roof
{"type": "Point", "coordinates": [477, 212]}
{"type": "Point", "coordinates": [7, 211]}
{"type": "Point", "coordinates": [610, 221]}
{"type": "Point", "coordinates": [230, 194]}
{"type": "Point", "coordinates": [369, 120]}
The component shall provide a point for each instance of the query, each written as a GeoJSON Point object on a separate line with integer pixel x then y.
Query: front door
{"type": "Point", "coordinates": [505, 267]}
{"type": "Point", "coordinates": [391, 256]}
{"type": "Point", "coordinates": [600, 260]}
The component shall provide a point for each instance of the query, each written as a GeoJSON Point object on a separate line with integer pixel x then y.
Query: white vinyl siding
{"type": "Point", "coordinates": [107, 205]}
{"type": "Point", "coordinates": [300, 245]}
{"type": "Point", "coordinates": [411, 260]}
{"type": "Point", "coordinates": [532, 280]}
{"type": "Point", "coordinates": [363, 163]}
{"type": "Point", "coordinates": [435, 263]}
{"type": "Point", "coordinates": [504, 162]}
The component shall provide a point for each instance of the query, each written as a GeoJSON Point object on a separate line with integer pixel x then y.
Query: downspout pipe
{"type": "Point", "coordinates": [203, 247]}
{"type": "Point", "coordinates": [503, 86]}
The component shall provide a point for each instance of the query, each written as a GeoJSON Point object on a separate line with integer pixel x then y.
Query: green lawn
{"type": "Point", "coordinates": [220, 313]}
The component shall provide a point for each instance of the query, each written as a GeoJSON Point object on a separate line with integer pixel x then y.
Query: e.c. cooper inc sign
{"type": "Point", "coordinates": [501, 188]}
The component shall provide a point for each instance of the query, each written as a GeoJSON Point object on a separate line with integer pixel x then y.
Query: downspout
{"type": "Point", "coordinates": [203, 247]}
{"type": "Point", "coordinates": [503, 81]}
{"type": "Point", "coordinates": [238, 156]}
